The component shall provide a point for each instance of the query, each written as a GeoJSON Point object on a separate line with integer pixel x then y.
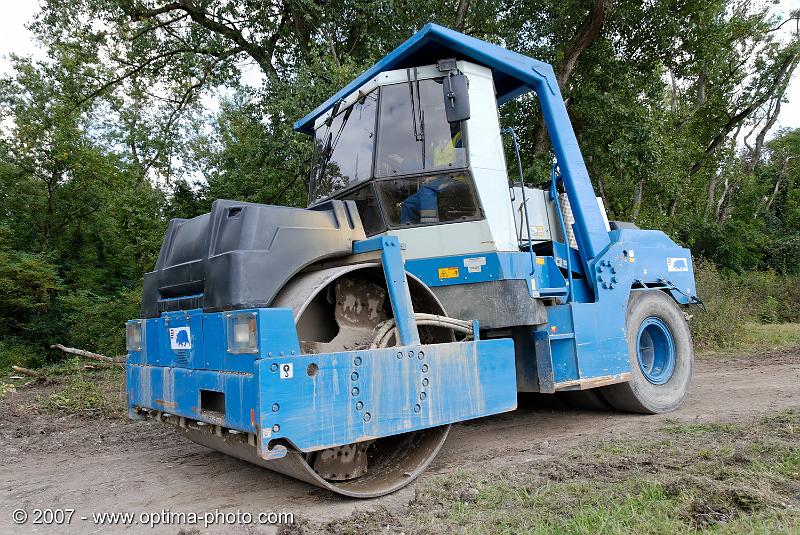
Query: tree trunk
{"type": "Point", "coordinates": [674, 94]}
{"type": "Point", "coordinates": [727, 187]}
{"type": "Point", "coordinates": [711, 196]}
{"type": "Point", "coordinates": [700, 96]}
{"type": "Point", "coordinates": [461, 13]}
{"type": "Point", "coordinates": [584, 36]}
{"type": "Point", "coordinates": [637, 200]}
{"type": "Point", "coordinates": [673, 207]}
{"type": "Point", "coordinates": [755, 154]}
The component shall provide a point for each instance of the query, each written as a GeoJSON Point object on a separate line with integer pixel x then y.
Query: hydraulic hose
{"type": "Point", "coordinates": [385, 330]}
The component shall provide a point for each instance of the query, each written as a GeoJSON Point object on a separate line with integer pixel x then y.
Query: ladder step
{"type": "Point", "coordinates": [562, 336]}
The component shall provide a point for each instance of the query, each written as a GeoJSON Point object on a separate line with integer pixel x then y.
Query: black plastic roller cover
{"type": "Point", "coordinates": [241, 254]}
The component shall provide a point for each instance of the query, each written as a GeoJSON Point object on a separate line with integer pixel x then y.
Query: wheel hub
{"type": "Point", "coordinates": [655, 350]}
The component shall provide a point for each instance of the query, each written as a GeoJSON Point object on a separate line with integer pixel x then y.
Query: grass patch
{"type": "Point", "coordinates": [762, 336]}
{"type": "Point", "coordinates": [84, 394]}
{"type": "Point", "coordinates": [679, 428]}
{"type": "Point", "coordinates": [755, 338]}
{"type": "Point", "coordinates": [704, 478]}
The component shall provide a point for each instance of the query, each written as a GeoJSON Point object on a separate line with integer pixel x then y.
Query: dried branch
{"type": "Point", "coordinates": [88, 355]}
{"type": "Point", "coordinates": [28, 372]}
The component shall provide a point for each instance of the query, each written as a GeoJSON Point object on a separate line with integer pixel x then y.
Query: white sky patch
{"type": "Point", "coordinates": [14, 36]}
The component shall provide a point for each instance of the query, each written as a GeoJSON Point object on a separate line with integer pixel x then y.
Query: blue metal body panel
{"type": "Point", "coordinates": [277, 336]}
{"type": "Point", "coordinates": [543, 276]}
{"type": "Point", "coordinates": [360, 395]}
{"type": "Point", "coordinates": [325, 400]}
{"type": "Point", "coordinates": [177, 391]}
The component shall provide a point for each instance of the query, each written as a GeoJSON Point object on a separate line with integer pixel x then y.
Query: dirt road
{"type": "Point", "coordinates": [100, 465]}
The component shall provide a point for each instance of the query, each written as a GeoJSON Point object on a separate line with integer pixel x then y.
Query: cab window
{"type": "Point", "coordinates": [368, 209]}
{"type": "Point", "coordinates": [343, 149]}
{"type": "Point", "coordinates": [442, 198]}
{"type": "Point", "coordinates": [413, 133]}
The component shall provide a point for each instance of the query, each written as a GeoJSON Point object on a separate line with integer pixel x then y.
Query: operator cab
{"type": "Point", "coordinates": [419, 151]}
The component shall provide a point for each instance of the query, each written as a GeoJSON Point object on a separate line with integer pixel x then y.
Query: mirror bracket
{"type": "Point", "coordinates": [456, 96]}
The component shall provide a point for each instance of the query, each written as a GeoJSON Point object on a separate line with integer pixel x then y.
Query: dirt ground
{"type": "Point", "coordinates": [96, 465]}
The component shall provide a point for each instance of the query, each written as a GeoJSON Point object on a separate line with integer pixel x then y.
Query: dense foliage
{"type": "Point", "coordinates": [139, 114]}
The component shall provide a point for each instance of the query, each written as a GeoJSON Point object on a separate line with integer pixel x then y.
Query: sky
{"type": "Point", "coordinates": [15, 38]}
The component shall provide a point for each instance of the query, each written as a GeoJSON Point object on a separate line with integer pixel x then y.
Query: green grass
{"type": "Point", "coordinates": [755, 337]}
{"type": "Point", "coordinates": [703, 478]}
{"type": "Point", "coordinates": [74, 389]}
{"type": "Point", "coordinates": [6, 388]}
{"type": "Point", "coordinates": [760, 336]}
{"type": "Point", "coordinates": [81, 395]}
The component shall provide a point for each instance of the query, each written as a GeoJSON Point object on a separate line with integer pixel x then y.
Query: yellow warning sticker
{"type": "Point", "coordinates": [448, 273]}
{"type": "Point", "coordinates": [540, 260]}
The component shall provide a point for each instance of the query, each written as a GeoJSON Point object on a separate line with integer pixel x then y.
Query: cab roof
{"type": "Point", "coordinates": [514, 74]}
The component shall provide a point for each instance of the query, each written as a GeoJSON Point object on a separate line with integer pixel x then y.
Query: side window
{"type": "Point", "coordinates": [368, 209]}
{"type": "Point", "coordinates": [343, 150]}
{"type": "Point", "coordinates": [413, 134]}
{"type": "Point", "coordinates": [446, 198]}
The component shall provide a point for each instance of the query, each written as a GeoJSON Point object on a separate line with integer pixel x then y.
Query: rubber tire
{"type": "Point", "coordinates": [640, 395]}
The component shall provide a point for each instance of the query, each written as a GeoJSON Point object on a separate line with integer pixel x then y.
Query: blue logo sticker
{"type": "Point", "coordinates": [180, 338]}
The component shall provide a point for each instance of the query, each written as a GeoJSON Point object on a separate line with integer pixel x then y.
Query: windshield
{"type": "Point", "coordinates": [413, 137]}
{"type": "Point", "coordinates": [343, 149]}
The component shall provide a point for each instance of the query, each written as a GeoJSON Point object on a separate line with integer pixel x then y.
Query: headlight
{"type": "Point", "coordinates": [133, 335]}
{"type": "Point", "coordinates": [242, 333]}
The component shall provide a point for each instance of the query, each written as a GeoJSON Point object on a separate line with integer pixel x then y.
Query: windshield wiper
{"type": "Point", "coordinates": [330, 144]}
{"type": "Point", "coordinates": [419, 133]}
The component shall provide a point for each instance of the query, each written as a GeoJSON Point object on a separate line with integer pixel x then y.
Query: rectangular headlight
{"type": "Point", "coordinates": [242, 332]}
{"type": "Point", "coordinates": [134, 330]}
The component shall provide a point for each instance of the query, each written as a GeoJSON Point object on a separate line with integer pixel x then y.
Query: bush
{"type": "Point", "coordinates": [734, 299]}
{"type": "Point", "coordinates": [97, 323]}
{"type": "Point", "coordinates": [16, 352]}
{"type": "Point", "coordinates": [771, 297]}
{"type": "Point", "coordinates": [80, 395]}
{"type": "Point", "coordinates": [722, 323]}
